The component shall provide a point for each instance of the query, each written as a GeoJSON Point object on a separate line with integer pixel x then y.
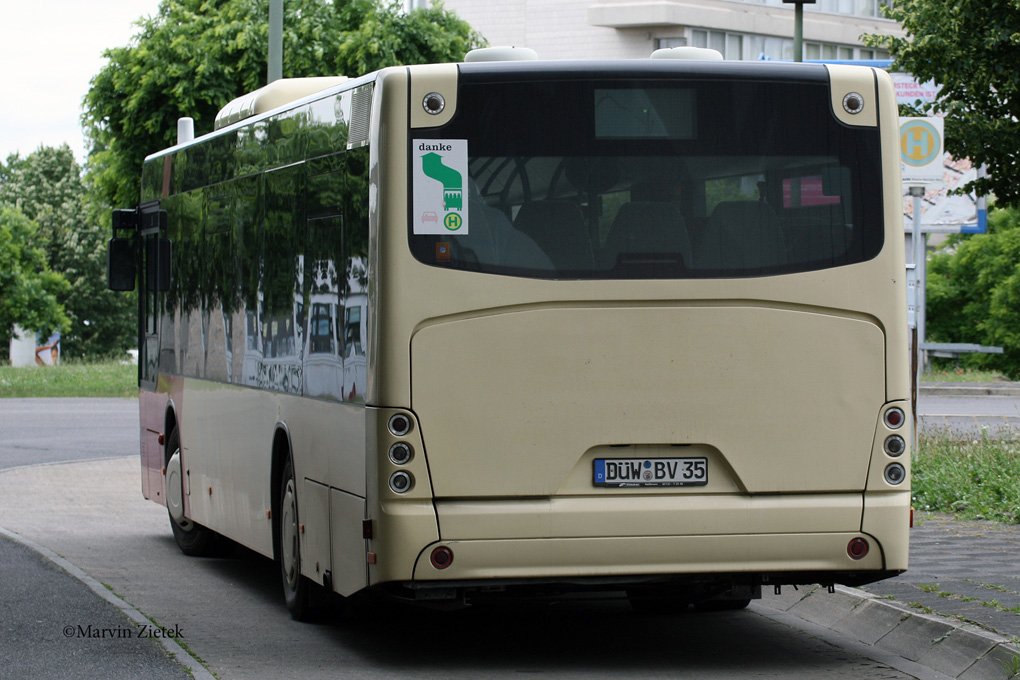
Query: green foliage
{"type": "Point", "coordinates": [973, 292]}
{"type": "Point", "coordinates": [46, 186]}
{"type": "Point", "coordinates": [195, 56]}
{"type": "Point", "coordinates": [970, 48]}
{"type": "Point", "coordinates": [29, 291]}
{"type": "Point", "coordinates": [977, 479]}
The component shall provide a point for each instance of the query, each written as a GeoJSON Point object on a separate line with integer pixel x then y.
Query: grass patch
{"type": "Point", "coordinates": [952, 374]}
{"type": "Point", "coordinates": [108, 379]}
{"type": "Point", "coordinates": [976, 479]}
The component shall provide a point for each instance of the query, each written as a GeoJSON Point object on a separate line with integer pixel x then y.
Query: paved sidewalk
{"type": "Point", "coordinates": [955, 611]}
{"type": "Point", "coordinates": [965, 569]}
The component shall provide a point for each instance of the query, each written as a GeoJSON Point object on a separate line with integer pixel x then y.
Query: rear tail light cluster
{"type": "Point", "coordinates": [894, 446]}
{"type": "Point", "coordinates": [400, 453]}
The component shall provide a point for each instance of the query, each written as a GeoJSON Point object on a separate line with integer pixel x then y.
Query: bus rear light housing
{"type": "Point", "coordinates": [857, 548]}
{"type": "Point", "coordinates": [441, 557]}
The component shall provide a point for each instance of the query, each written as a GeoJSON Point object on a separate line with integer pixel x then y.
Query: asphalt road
{"type": "Point", "coordinates": [970, 416]}
{"type": "Point", "coordinates": [34, 431]}
{"type": "Point", "coordinates": [230, 614]}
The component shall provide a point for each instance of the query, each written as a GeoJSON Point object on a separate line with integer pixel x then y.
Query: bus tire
{"type": "Point", "coordinates": [192, 538]}
{"type": "Point", "coordinates": [296, 588]}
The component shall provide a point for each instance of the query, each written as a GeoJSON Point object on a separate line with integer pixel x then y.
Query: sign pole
{"type": "Point", "coordinates": [920, 241]}
{"type": "Point", "coordinates": [275, 56]}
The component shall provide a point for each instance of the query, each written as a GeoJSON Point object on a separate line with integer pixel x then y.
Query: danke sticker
{"type": "Point", "coordinates": [440, 196]}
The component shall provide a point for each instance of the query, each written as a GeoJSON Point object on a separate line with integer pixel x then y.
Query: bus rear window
{"type": "Point", "coordinates": [610, 180]}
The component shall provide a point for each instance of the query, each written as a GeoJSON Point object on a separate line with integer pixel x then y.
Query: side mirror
{"type": "Point", "coordinates": [121, 265]}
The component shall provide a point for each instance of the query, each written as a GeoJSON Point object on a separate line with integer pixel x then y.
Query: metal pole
{"type": "Point", "coordinates": [275, 70]}
{"type": "Point", "coordinates": [798, 32]}
{"type": "Point", "coordinates": [920, 240]}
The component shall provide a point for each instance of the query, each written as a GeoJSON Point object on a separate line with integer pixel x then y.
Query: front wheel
{"type": "Point", "coordinates": [192, 538]}
{"type": "Point", "coordinates": [296, 588]}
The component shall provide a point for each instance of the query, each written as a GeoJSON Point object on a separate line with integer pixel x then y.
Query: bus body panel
{"type": "Point", "coordinates": [789, 399]}
{"type": "Point", "coordinates": [656, 513]}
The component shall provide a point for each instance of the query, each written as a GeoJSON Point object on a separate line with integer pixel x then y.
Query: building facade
{"type": "Point", "coordinates": [740, 29]}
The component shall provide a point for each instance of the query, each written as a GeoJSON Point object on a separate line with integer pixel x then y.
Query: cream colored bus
{"type": "Point", "coordinates": [459, 331]}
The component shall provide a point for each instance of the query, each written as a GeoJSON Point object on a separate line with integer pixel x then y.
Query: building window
{"type": "Point", "coordinates": [862, 8]}
{"type": "Point", "coordinates": [730, 45]}
{"type": "Point", "coordinates": [666, 43]}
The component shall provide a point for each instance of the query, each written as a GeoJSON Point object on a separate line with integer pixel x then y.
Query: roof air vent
{"type": "Point", "coordinates": [696, 53]}
{"type": "Point", "coordinates": [501, 54]}
{"type": "Point", "coordinates": [276, 93]}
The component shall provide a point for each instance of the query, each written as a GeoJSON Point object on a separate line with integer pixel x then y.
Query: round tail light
{"type": "Point", "coordinates": [894, 445]}
{"type": "Point", "coordinates": [399, 425]}
{"type": "Point", "coordinates": [441, 557]}
{"type": "Point", "coordinates": [895, 473]}
{"type": "Point", "coordinates": [857, 548]}
{"type": "Point", "coordinates": [401, 482]}
{"type": "Point", "coordinates": [401, 453]}
{"type": "Point", "coordinates": [894, 418]}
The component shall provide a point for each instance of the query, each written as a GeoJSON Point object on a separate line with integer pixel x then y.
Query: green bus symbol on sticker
{"type": "Point", "coordinates": [453, 183]}
{"type": "Point", "coordinates": [453, 221]}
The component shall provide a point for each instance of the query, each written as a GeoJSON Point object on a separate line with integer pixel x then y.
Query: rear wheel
{"type": "Point", "coordinates": [296, 588]}
{"type": "Point", "coordinates": [192, 538]}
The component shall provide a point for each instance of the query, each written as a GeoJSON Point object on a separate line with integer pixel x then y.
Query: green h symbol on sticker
{"type": "Point", "coordinates": [453, 221]}
{"type": "Point", "coordinates": [452, 181]}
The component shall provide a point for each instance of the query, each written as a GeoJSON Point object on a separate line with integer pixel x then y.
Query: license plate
{"type": "Point", "coordinates": [621, 472]}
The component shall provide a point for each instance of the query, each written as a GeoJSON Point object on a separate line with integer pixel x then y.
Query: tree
{"type": "Point", "coordinates": [29, 291]}
{"type": "Point", "coordinates": [970, 48]}
{"type": "Point", "coordinates": [973, 292]}
{"type": "Point", "coordinates": [195, 56]}
{"type": "Point", "coordinates": [46, 187]}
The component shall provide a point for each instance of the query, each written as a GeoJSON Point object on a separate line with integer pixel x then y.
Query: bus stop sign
{"type": "Point", "coordinates": [921, 150]}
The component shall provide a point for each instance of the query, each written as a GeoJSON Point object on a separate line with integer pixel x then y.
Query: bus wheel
{"type": "Point", "coordinates": [192, 538]}
{"type": "Point", "coordinates": [296, 588]}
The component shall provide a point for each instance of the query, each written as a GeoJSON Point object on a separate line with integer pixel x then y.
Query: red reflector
{"type": "Point", "coordinates": [441, 557]}
{"type": "Point", "coordinates": [857, 548]}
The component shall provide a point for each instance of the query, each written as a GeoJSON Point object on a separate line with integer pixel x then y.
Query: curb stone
{"type": "Point", "coordinates": [955, 649]}
{"type": "Point", "coordinates": [1004, 389]}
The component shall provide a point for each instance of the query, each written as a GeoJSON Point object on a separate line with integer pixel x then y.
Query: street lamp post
{"type": "Point", "coordinates": [798, 26]}
{"type": "Point", "coordinates": [275, 57]}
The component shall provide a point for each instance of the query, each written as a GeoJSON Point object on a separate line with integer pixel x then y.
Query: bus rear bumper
{"type": "Point", "coordinates": [770, 558]}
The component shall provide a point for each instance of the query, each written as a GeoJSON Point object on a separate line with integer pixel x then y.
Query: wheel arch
{"type": "Point", "coordinates": [169, 423]}
{"type": "Point", "coordinates": [280, 454]}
